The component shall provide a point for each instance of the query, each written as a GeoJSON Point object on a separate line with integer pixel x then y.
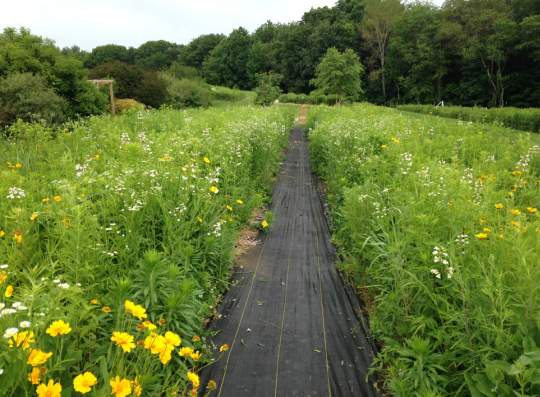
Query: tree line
{"type": "Point", "coordinates": [467, 52]}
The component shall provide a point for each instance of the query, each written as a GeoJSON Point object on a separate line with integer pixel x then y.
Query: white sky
{"type": "Point", "coordinates": [132, 22]}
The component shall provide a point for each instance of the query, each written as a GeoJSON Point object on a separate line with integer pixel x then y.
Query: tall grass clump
{"type": "Point", "coordinates": [227, 94]}
{"type": "Point", "coordinates": [438, 227]}
{"type": "Point", "coordinates": [116, 243]}
{"type": "Point", "coordinates": [519, 119]}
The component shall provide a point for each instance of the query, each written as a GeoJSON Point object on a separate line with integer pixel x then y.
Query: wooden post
{"type": "Point", "coordinates": [112, 98]}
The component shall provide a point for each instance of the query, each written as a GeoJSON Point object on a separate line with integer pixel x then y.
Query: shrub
{"type": "Point", "coordinates": [268, 89]}
{"type": "Point", "coordinates": [227, 94]}
{"type": "Point", "coordinates": [181, 71]}
{"type": "Point", "coordinates": [519, 119]}
{"type": "Point", "coordinates": [133, 82]}
{"type": "Point", "coordinates": [186, 93]}
{"type": "Point", "coordinates": [25, 96]}
{"type": "Point", "coordinates": [123, 105]}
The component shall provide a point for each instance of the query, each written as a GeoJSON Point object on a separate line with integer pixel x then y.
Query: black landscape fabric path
{"type": "Point", "coordinates": [291, 326]}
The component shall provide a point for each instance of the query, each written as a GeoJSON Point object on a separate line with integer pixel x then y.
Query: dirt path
{"type": "Point", "coordinates": [292, 329]}
{"type": "Point", "coordinates": [302, 119]}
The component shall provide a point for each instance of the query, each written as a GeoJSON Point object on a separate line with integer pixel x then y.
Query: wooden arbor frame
{"type": "Point", "coordinates": [97, 83]}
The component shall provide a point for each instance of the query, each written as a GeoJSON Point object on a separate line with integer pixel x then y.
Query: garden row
{"type": "Point", "coordinates": [437, 224]}
{"type": "Point", "coordinates": [116, 243]}
{"type": "Point", "coordinates": [519, 119]}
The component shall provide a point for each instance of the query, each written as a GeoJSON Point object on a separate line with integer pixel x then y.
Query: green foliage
{"type": "Point", "coordinates": [109, 53]}
{"type": "Point", "coordinates": [124, 105]}
{"type": "Point", "coordinates": [519, 119]}
{"type": "Point", "coordinates": [26, 97]}
{"type": "Point", "coordinates": [437, 223]}
{"type": "Point", "coordinates": [268, 89]}
{"type": "Point", "coordinates": [115, 210]}
{"type": "Point", "coordinates": [227, 94]}
{"type": "Point", "coordinates": [198, 50]}
{"type": "Point", "coordinates": [226, 64]}
{"type": "Point", "coordinates": [157, 55]}
{"type": "Point", "coordinates": [182, 93]}
{"type": "Point", "coordinates": [133, 82]}
{"type": "Point", "coordinates": [339, 74]}
{"type": "Point", "coordinates": [312, 99]}
{"type": "Point", "coordinates": [181, 71]}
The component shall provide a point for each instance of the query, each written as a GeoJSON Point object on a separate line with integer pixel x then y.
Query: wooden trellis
{"type": "Point", "coordinates": [97, 83]}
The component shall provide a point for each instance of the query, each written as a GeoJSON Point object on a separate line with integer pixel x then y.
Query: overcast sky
{"type": "Point", "coordinates": [132, 22]}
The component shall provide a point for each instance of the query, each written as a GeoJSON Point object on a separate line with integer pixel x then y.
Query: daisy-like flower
{"type": "Point", "coordinates": [499, 206]}
{"type": "Point", "coordinates": [106, 309]}
{"type": "Point", "coordinates": [120, 388]}
{"type": "Point", "coordinates": [195, 355]}
{"type": "Point", "coordinates": [124, 340]}
{"type": "Point", "coordinates": [185, 351]}
{"type": "Point", "coordinates": [149, 325]}
{"type": "Point", "coordinates": [25, 324]}
{"type": "Point", "coordinates": [9, 291]}
{"type": "Point", "coordinates": [84, 382]}
{"type": "Point", "coordinates": [34, 376]}
{"type": "Point", "coordinates": [515, 212]}
{"type": "Point", "coordinates": [38, 357]}
{"type": "Point", "coordinates": [49, 390]}
{"type": "Point", "coordinates": [16, 304]}
{"type": "Point", "coordinates": [58, 328]}
{"type": "Point", "coordinates": [194, 378]}
{"type": "Point", "coordinates": [239, 201]}
{"type": "Point", "coordinates": [10, 332]}
{"type": "Point", "coordinates": [57, 199]}
{"type": "Point", "coordinates": [4, 266]}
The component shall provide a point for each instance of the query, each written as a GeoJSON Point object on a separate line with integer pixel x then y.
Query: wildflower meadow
{"type": "Point", "coordinates": [116, 244]}
{"type": "Point", "coordinates": [438, 227]}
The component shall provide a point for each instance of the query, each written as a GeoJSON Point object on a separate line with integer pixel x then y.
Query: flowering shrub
{"type": "Point", "coordinates": [119, 242]}
{"type": "Point", "coordinates": [437, 224]}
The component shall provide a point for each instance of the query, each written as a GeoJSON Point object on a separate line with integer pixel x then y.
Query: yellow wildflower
{"type": "Point", "coordinates": [120, 388]}
{"type": "Point", "coordinates": [481, 235]}
{"type": "Point", "coordinates": [45, 200]}
{"type": "Point", "coordinates": [57, 199]}
{"type": "Point", "coordinates": [84, 382]}
{"type": "Point", "coordinates": [532, 210]}
{"type": "Point", "coordinates": [224, 348]}
{"type": "Point", "coordinates": [239, 201]}
{"type": "Point", "coordinates": [106, 309]}
{"type": "Point", "coordinates": [2, 233]}
{"type": "Point", "coordinates": [487, 230]}
{"type": "Point", "coordinates": [34, 217]}
{"type": "Point", "coordinates": [37, 357]}
{"type": "Point", "coordinates": [9, 291]}
{"type": "Point", "coordinates": [93, 301]}
{"type": "Point", "coordinates": [499, 206]}
{"type": "Point", "coordinates": [516, 212]}
{"type": "Point", "coordinates": [185, 351]}
{"type": "Point", "coordinates": [195, 355]}
{"type": "Point", "coordinates": [58, 328]}
{"type": "Point", "coordinates": [124, 340]}
{"type": "Point", "coordinates": [264, 223]}
{"type": "Point", "coordinates": [194, 378]}
{"type": "Point", "coordinates": [23, 338]}
{"type": "Point", "coordinates": [49, 390]}
{"type": "Point", "coordinates": [34, 376]}
{"type": "Point", "coordinates": [196, 339]}
{"type": "Point", "coordinates": [149, 325]}
{"type": "Point", "coordinates": [206, 160]}
{"type": "Point", "coordinates": [211, 385]}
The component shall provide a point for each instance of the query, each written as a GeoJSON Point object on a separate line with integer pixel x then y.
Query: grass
{"type": "Point", "coordinates": [110, 222]}
{"type": "Point", "coordinates": [249, 99]}
{"type": "Point", "coordinates": [437, 221]}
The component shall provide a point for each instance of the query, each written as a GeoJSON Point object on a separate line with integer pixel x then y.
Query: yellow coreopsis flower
{"type": "Point", "coordinates": [149, 325]}
{"type": "Point", "coordinates": [171, 340]}
{"type": "Point", "coordinates": [120, 388]}
{"type": "Point", "coordinates": [239, 201]}
{"type": "Point", "coordinates": [124, 340]}
{"type": "Point", "coordinates": [516, 212]}
{"type": "Point", "coordinates": [155, 343]}
{"type": "Point", "coordinates": [165, 355]}
{"type": "Point", "coordinates": [33, 217]}
{"type": "Point", "coordinates": [9, 291]}
{"type": "Point", "coordinates": [224, 348]}
{"type": "Point", "coordinates": [84, 382]}
{"type": "Point", "coordinates": [57, 199]}
{"type": "Point", "coordinates": [49, 390]}
{"type": "Point", "coordinates": [37, 357]}
{"type": "Point", "coordinates": [139, 312]}
{"type": "Point", "coordinates": [206, 160]}
{"type": "Point", "coordinates": [195, 355]}
{"type": "Point", "coordinates": [229, 208]}
{"type": "Point", "coordinates": [532, 210]}
{"type": "Point", "coordinates": [499, 206]}
{"type": "Point", "coordinates": [2, 233]}
{"type": "Point", "coordinates": [185, 351]}
{"type": "Point", "coordinates": [196, 339]}
{"type": "Point", "coordinates": [214, 189]}
{"type": "Point", "coordinates": [34, 376]}
{"type": "Point", "coordinates": [487, 230]}
{"type": "Point", "coordinates": [23, 338]}
{"type": "Point", "coordinates": [58, 328]}
{"type": "Point", "coordinates": [137, 389]}
{"type": "Point", "coordinates": [264, 223]}
{"type": "Point", "coordinates": [194, 378]}
{"type": "Point", "coordinates": [45, 200]}
{"type": "Point", "coordinates": [106, 309]}
{"type": "Point", "coordinates": [481, 235]}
